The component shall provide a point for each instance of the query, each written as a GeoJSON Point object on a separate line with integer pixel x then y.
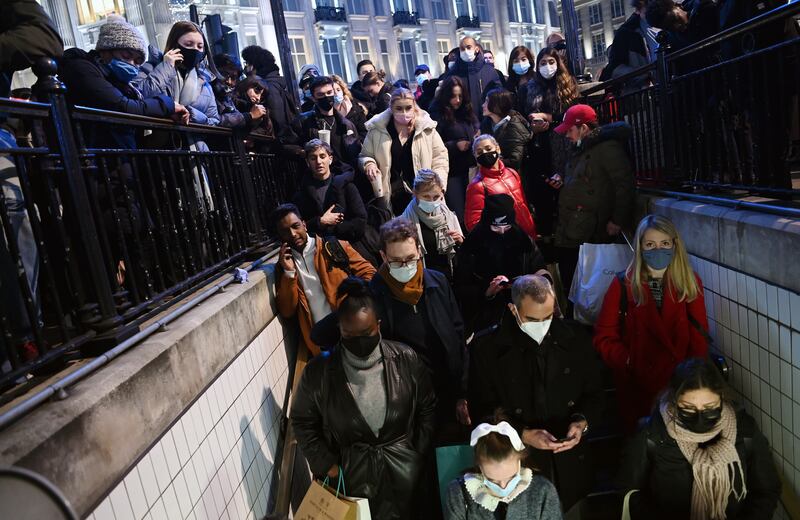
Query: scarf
{"type": "Point", "coordinates": [473, 482]}
{"type": "Point", "coordinates": [409, 292]}
{"type": "Point", "coordinates": [714, 466]}
{"type": "Point", "coordinates": [186, 89]}
{"type": "Point", "coordinates": [441, 222]}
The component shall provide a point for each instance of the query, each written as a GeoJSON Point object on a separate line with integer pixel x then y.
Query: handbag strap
{"type": "Point", "coordinates": [626, 505]}
{"type": "Point", "coordinates": [339, 485]}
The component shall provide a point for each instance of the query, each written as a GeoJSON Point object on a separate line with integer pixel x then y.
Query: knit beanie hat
{"type": "Point", "coordinates": [498, 210]}
{"type": "Point", "coordinates": [117, 33]}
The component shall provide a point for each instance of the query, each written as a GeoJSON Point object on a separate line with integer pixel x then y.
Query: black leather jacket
{"type": "Point", "coordinates": [330, 429]}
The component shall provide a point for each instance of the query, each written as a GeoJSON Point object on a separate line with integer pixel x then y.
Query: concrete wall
{"type": "Point", "coordinates": [184, 425]}
{"type": "Point", "coordinates": [748, 264]}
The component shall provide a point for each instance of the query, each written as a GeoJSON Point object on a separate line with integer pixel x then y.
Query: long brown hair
{"type": "Point", "coordinates": [566, 86]}
{"type": "Point", "coordinates": [178, 30]}
{"type": "Point", "coordinates": [514, 79]}
{"type": "Point", "coordinates": [679, 276]}
{"type": "Point", "coordinates": [465, 112]}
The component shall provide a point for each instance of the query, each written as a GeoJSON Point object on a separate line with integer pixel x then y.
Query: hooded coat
{"type": "Point", "coordinates": [598, 187]}
{"type": "Point", "coordinates": [330, 430]}
{"type": "Point", "coordinates": [479, 77]}
{"type": "Point", "coordinates": [513, 136]}
{"type": "Point", "coordinates": [427, 148]}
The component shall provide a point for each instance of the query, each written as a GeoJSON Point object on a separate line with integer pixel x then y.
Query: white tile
{"type": "Point", "coordinates": [121, 503]}
{"type": "Point", "coordinates": [786, 411]}
{"type": "Point", "coordinates": [104, 511]}
{"type": "Point", "coordinates": [796, 393]}
{"type": "Point", "coordinates": [171, 503]}
{"type": "Point", "coordinates": [785, 343]}
{"type": "Point", "coordinates": [149, 483]}
{"type": "Point", "coordinates": [773, 337]}
{"type": "Point", "coordinates": [198, 431]}
{"type": "Point", "coordinates": [133, 485]}
{"type": "Point", "coordinates": [774, 371]}
{"type": "Point", "coordinates": [784, 306]}
{"type": "Point", "coordinates": [159, 512]}
{"type": "Point", "coordinates": [182, 493]}
{"type": "Point", "coordinates": [171, 454]}
{"type": "Point", "coordinates": [786, 378]}
{"type": "Point", "coordinates": [733, 285]}
{"type": "Point", "coordinates": [795, 348]}
{"type": "Point", "coordinates": [722, 281]}
{"type": "Point", "coordinates": [752, 295]}
{"type": "Point", "coordinates": [763, 331]}
{"type": "Point", "coordinates": [160, 467]}
{"type": "Point", "coordinates": [795, 299]}
{"type": "Point", "coordinates": [741, 288]}
{"type": "Point", "coordinates": [775, 403]}
{"type": "Point", "coordinates": [772, 301]}
{"type": "Point", "coordinates": [725, 315]}
{"type": "Point", "coordinates": [181, 444]}
{"type": "Point", "coordinates": [752, 325]}
{"type": "Point", "coordinates": [761, 294]}
{"type": "Point", "coordinates": [795, 459]}
{"type": "Point", "coordinates": [219, 497]}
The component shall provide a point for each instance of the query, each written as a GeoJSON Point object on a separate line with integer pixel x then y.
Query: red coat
{"type": "Point", "coordinates": [644, 356]}
{"type": "Point", "coordinates": [494, 182]}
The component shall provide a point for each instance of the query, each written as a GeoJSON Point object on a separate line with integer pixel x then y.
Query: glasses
{"type": "Point", "coordinates": [399, 264]}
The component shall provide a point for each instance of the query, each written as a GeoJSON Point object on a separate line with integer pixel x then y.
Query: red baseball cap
{"type": "Point", "coordinates": [576, 115]}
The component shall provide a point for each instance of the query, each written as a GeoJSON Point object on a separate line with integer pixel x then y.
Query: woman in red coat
{"type": "Point", "coordinates": [495, 178]}
{"type": "Point", "coordinates": [661, 323]}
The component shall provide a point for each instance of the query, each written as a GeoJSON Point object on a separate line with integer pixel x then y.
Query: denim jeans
{"type": "Point", "coordinates": [12, 305]}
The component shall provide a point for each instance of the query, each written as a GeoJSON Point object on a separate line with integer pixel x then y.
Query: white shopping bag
{"type": "Point", "coordinates": [598, 264]}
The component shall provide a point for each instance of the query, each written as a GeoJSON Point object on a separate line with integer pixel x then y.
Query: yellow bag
{"type": "Point", "coordinates": [324, 503]}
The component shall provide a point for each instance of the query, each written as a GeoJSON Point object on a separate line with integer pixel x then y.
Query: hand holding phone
{"type": "Point", "coordinates": [285, 259]}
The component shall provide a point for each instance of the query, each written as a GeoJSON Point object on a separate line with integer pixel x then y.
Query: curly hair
{"type": "Point", "coordinates": [260, 58]}
{"type": "Point", "coordinates": [659, 12]}
{"type": "Point", "coordinates": [463, 113]}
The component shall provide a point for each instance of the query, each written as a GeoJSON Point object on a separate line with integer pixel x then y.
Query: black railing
{"type": "Point", "coordinates": [97, 238]}
{"type": "Point", "coordinates": [466, 22]}
{"type": "Point", "coordinates": [720, 115]}
{"type": "Point", "coordinates": [405, 18]}
{"type": "Point", "coordinates": [330, 14]}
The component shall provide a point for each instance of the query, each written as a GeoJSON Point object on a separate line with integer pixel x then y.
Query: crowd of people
{"type": "Point", "coordinates": [423, 256]}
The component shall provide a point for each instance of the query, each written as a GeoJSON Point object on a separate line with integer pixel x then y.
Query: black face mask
{"type": "Point", "coordinates": [191, 57]}
{"type": "Point", "coordinates": [361, 346]}
{"type": "Point", "coordinates": [487, 159]}
{"type": "Point", "coordinates": [325, 103]}
{"type": "Point", "coordinates": [699, 422]}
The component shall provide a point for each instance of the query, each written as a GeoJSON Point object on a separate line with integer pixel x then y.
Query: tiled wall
{"type": "Point", "coordinates": [756, 325]}
{"type": "Point", "coordinates": [216, 461]}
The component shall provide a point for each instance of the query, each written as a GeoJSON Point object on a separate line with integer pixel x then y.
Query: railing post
{"type": "Point", "coordinates": [249, 189]}
{"type": "Point", "coordinates": [48, 88]}
{"type": "Point", "coordinates": [665, 110]}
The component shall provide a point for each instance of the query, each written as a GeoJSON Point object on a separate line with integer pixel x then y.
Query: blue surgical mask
{"type": "Point", "coordinates": [403, 274]}
{"type": "Point", "coordinates": [123, 71]}
{"type": "Point", "coordinates": [521, 67]}
{"type": "Point", "coordinates": [429, 206]}
{"type": "Point", "coordinates": [658, 259]}
{"type": "Point", "coordinates": [500, 492]}
{"type": "Point", "coordinates": [338, 99]}
{"type": "Point", "coordinates": [422, 78]}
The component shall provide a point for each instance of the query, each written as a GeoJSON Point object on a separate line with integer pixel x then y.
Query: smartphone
{"type": "Point", "coordinates": [565, 439]}
{"type": "Point", "coordinates": [538, 121]}
{"type": "Point", "coordinates": [505, 283]}
{"type": "Point", "coordinates": [338, 209]}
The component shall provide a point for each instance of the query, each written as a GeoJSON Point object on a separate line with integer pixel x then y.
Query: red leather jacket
{"type": "Point", "coordinates": [494, 182]}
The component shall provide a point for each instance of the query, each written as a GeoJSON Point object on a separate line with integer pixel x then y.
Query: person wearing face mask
{"type": "Point", "coordinates": [508, 127]}
{"type": "Point", "coordinates": [418, 308]}
{"type": "Point", "coordinates": [597, 196]}
{"type": "Point", "coordinates": [458, 126]}
{"type": "Point", "coordinates": [478, 76]}
{"type": "Point", "coordinates": [307, 74]}
{"type": "Point", "coordinates": [651, 319]}
{"type": "Point", "coordinates": [521, 68]}
{"type": "Point", "coordinates": [426, 86]}
{"type": "Point", "coordinates": [325, 122]}
{"type": "Point", "coordinates": [543, 371]}
{"type": "Point", "coordinates": [493, 254]}
{"type": "Point", "coordinates": [543, 100]}
{"type": "Point", "coordinates": [438, 230]}
{"type": "Point", "coordinates": [280, 104]}
{"type": "Point", "coordinates": [181, 73]}
{"type": "Point", "coordinates": [699, 455]}
{"type": "Point", "coordinates": [500, 486]}
{"type": "Point", "coordinates": [495, 177]}
{"type": "Point", "coordinates": [367, 410]}
{"type": "Point", "coordinates": [401, 141]}
{"type": "Point", "coordinates": [348, 106]}
{"type": "Point", "coordinates": [309, 270]}
{"type": "Point", "coordinates": [488, 57]}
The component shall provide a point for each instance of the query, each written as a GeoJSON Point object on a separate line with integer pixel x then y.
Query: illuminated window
{"type": "Point", "coordinates": [91, 11]}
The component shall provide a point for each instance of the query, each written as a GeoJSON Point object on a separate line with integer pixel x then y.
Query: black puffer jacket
{"type": "Point", "coordinates": [654, 464]}
{"type": "Point", "coordinates": [513, 137]}
{"type": "Point", "coordinates": [331, 430]}
{"type": "Point", "coordinates": [598, 187]}
{"type": "Point", "coordinates": [346, 144]}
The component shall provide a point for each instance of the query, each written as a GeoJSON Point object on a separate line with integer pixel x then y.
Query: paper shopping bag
{"type": "Point", "coordinates": [320, 503]}
{"type": "Point", "coordinates": [598, 264]}
{"type": "Point", "coordinates": [451, 462]}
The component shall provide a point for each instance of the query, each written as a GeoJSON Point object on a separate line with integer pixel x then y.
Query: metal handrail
{"type": "Point", "coordinates": [97, 115]}
{"type": "Point", "coordinates": [759, 207]}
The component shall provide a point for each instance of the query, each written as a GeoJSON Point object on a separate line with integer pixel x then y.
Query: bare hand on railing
{"type": "Point", "coordinates": [173, 56]}
{"type": "Point", "coordinates": [372, 171]}
{"type": "Point", "coordinates": [257, 112]}
{"type": "Point", "coordinates": [285, 259]}
{"type": "Point", "coordinates": [181, 114]}
{"type": "Point", "coordinates": [331, 218]}
{"type": "Point", "coordinates": [612, 229]}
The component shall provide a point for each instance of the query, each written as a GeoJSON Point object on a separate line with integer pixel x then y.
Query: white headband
{"type": "Point", "coordinates": [503, 428]}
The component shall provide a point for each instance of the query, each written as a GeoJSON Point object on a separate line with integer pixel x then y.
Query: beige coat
{"type": "Point", "coordinates": [427, 148]}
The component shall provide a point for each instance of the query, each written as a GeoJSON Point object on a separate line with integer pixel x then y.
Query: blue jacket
{"type": "Point", "coordinates": [155, 77]}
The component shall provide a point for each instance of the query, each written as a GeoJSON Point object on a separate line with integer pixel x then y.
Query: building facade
{"type": "Point", "coordinates": [597, 21]}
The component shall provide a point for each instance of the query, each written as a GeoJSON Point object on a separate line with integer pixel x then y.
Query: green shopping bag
{"type": "Point", "coordinates": [451, 463]}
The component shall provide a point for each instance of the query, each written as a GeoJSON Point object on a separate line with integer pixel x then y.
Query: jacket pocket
{"type": "Point", "coordinates": [579, 224]}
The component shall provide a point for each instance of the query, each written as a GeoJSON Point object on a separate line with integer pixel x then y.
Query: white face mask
{"type": "Point", "coordinates": [429, 206]}
{"type": "Point", "coordinates": [467, 55]}
{"type": "Point", "coordinates": [403, 274]}
{"type": "Point", "coordinates": [537, 330]}
{"type": "Point", "coordinates": [548, 71]}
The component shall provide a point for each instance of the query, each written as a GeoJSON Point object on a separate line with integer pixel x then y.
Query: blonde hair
{"type": "Point", "coordinates": [679, 277]}
{"type": "Point", "coordinates": [342, 85]}
{"type": "Point", "coordinates": [402, 93]}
